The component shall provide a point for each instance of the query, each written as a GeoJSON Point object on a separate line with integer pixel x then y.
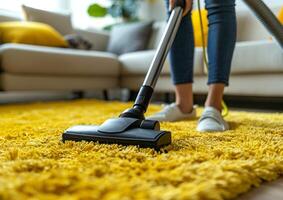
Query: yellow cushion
{"type": "Point", "coordinates": [197, 27]}
{"type": "Point", "coordinates": [30, 33]}
{"type": "Point", "coordinates": [280, 16]}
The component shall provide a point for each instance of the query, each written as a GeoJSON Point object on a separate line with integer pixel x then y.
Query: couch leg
{"type": "Point", "coordinates": [105, 95]}
{"type": "Point", "coordinates": [167, 97]}
{"type": "Point", "coordinates": [79, 94]}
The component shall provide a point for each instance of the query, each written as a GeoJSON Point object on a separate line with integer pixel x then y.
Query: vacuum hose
{"type": "Point", "coordinates": [267, 18]}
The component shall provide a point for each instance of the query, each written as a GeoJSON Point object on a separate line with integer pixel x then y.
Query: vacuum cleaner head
{"type": "Point", "coordinates": [124, 131]}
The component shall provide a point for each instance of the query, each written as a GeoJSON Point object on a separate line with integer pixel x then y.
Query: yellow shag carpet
{"type": "Point", "coordinates": [35, 164]}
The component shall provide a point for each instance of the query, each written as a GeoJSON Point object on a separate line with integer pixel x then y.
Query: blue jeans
{"type": "Point", "coordinates": [221, 44]}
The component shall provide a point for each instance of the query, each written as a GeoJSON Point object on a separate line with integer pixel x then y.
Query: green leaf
{"type": "Point", "coordinates": [96, 10]}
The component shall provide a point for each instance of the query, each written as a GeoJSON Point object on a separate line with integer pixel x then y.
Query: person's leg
{"type": "Point", "coordinates": [215, 95]}
{"type": "Point", "coordinates": [181, 62]}
{"type": "Point", "coordinates": [221, 44]}
{"type": "Point", "coordinates": [184, 97]}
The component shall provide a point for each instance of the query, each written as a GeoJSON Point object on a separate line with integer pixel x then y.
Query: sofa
{"type": "Point", "coordinates": [257, 67]}
{"type": "Point", "coordinates": [39, 68]}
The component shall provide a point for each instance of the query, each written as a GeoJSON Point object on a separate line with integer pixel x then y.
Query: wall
{"type": "Point", "coordinates": [15, 5]}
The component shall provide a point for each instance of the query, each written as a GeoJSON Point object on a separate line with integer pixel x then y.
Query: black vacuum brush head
{"type": "Point", "coordinates": [124, 131]}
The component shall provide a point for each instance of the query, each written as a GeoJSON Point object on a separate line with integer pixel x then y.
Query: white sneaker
{"type": "Point", "coordinates": [212, 121]}
{"type": "Point", "coordinates": [172, 113]}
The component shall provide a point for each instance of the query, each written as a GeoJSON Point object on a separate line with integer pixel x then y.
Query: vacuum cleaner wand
{"type": "Point", "coordinates": [131, 128]}
{"type": "Point", "coordinates": [146, 91]}
{"type": "Point", "coordinates": [267, 18]}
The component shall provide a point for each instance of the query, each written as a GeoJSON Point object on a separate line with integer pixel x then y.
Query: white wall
{"type": "Point", "coordinates": [15, 5]}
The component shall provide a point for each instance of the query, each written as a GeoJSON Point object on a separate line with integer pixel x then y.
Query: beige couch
{"type": "Point", "coordinates": [38, 68]}
{"type": "Point", "coordinates": [257, 68]}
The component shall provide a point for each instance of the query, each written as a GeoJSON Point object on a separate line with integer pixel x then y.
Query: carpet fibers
{"type": "Point", "coordinates": [35, 164]}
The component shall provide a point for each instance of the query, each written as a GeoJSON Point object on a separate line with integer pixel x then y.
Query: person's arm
{"type": "Point", "coordinates": [186, 10]}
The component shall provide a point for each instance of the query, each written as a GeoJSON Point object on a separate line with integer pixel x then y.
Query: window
{"type": "Point", "coordinates": [78, 8]}
{"type": "Point", "coordinates": [81, 18]}
{"type": "Point", "coordinates": [15, 5]}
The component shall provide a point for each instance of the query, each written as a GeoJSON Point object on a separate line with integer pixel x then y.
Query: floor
{"type": "Point", "coordinates": [267, 191]}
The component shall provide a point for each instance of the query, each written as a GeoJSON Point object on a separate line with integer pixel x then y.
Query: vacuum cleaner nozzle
{"type": "Point", "coordinates": [124, 131]}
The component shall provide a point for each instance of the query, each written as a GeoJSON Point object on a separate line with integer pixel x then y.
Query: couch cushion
{"type": "Point", "coordinates": [28, 59]}
{"type": "Point", "coordinates": [61, 22]}
{"type": "Point", "coordinates": [156, 34]}
{"type": "Point", "coordinates": [280, 15]}
{"type": "Point", "coordinates": [257, 57]}
{"type": "Point", "coordinates": [249, 28]}
{"type": "Point", "coordinates": [138, 63]}
{"type": "Point", "coordinates": [31, 33]}
{"type": "Point", "coordinates": [98, 38]}
{"type": "Point", "coordinates": [129, 37]}
{"type": "Point", "coordinates": [200, 27]}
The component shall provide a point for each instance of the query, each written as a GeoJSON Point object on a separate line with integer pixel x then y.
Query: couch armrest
{"type": "Point", "coordinates": [99, 39]}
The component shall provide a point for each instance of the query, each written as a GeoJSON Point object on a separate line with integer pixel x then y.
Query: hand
{"type": "Point", "coordinates": [187, 8]}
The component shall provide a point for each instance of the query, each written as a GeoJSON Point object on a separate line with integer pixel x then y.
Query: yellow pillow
{"type": "Point", "coordinates": [30, 33]}
{"type": "Point", "coordinates": [280, 16]}
{"type": "Point", "coordinates": [197, 27]}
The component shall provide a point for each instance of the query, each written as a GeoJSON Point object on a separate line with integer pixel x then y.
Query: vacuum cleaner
{"type": "Point", "coordinates": [131, 127]}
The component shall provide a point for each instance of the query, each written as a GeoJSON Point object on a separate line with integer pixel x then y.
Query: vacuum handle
{"type": "Point", "coordinates": [164, 45]}
{"type": "Point", "coordinates": [146, 91]}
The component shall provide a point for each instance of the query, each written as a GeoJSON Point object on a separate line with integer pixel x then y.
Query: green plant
{"type": "Point", "coordinates": [125, 9]}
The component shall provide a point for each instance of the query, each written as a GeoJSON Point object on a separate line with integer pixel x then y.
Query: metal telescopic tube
{"type": "Point", "coordinates": [146, 91]}
{"type": "Point", "coordinates": [268, 19]}
{"type": "Point", "coordinates": [164, 47]}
